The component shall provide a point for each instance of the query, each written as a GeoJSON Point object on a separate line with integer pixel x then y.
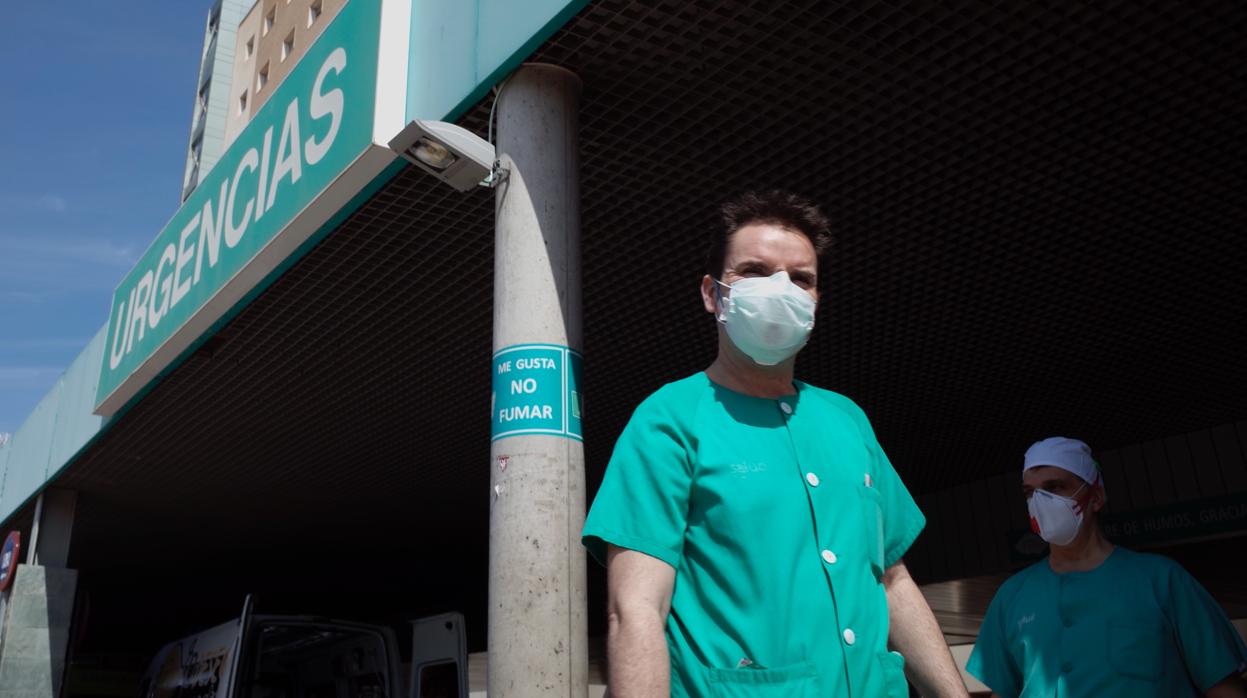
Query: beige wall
{"type": "Point", "coordinates": [287, 18]}
{"type": "Point", "coordinates": [243, 82]}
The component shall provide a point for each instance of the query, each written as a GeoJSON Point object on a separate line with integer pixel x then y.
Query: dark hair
{"type": "Point", "coordinates": [779, 208]}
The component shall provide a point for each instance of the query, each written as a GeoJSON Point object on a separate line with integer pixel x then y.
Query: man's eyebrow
{"type": "Point", "coordinates": [750, 264]}
{"type": "Point", "coordinates": [753, 261]}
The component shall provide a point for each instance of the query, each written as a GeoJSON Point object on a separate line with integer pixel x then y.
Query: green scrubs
{"type": "Point", "coordinates": [779, 517]}
{"type": "Point", "coordinates": [1138, 625]}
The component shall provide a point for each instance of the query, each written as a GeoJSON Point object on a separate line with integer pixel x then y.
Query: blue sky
{"type": "Point", "coordinates": [95, 109]}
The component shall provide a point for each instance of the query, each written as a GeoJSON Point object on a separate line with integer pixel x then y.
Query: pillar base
{"type": "Point", "coordinates": [36, 632]}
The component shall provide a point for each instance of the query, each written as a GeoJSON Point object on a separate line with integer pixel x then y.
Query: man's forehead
{"type": "Point", "coordinates": [761, 242]}
{"type": "Point", "coordinates": [1048, 473]}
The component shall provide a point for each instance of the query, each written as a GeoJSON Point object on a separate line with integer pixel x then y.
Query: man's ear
{"type": "Point", "coordinates": [709, 299]}
{"type": "Point", "coordinates": [1098, 498]}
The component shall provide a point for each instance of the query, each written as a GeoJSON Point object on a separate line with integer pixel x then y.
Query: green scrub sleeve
{"type": "Point", "coordinates": [990, 661]}
{"type": "Point", "coordinates": [1210, 645]}
{"type": "Point", "coordinates": [902, 519]}
{"type": "Point", "coordinates": [643, 502]}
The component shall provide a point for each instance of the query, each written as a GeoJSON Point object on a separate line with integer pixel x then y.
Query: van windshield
{"type": "Point", "coordinates": [308, 660]}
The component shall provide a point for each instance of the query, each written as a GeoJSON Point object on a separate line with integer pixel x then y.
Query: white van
{"type": "Point", "coordinates": [258, 656]}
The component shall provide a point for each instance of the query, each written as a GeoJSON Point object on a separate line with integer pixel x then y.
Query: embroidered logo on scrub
{"type": "Point", "coordinates": [1024, 620]}
{"type": "Point", "coordinates": [743, 470]}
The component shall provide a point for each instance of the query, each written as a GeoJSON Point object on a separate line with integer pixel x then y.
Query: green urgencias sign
{"type": "Point", "coordinates": [317, 122]}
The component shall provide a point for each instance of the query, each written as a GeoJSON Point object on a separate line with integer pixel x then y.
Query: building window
{"type": "Point", "coordinates": [242, 103]}
{"type": "Point", "coordinates": [249, 49]}
{"type": "Point", "coordinates": [203, 96]}
{"type": "Point", "coordinates": [261, 78]}
{"type": "Point", "coordinates": [313, 12]}
{"type": "Point", "coordinates": [287, 46]}
{"type": "Point", "coordinates": [268, 21]}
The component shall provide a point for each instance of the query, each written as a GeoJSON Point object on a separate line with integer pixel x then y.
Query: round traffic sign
{"type": "Point", "coordinates": [8, 558]}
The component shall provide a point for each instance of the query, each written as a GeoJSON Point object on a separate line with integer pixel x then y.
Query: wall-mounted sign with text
{"type": "Point", "coordinates": [536, 390]}
{"type": "Point", "coordinates": [1173, 524]}
{"type": "Point", "coordinates": [224, 239]}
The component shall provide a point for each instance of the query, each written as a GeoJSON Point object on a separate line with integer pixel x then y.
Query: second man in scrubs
{"type": "Point", "coordinates": [1095, 619]}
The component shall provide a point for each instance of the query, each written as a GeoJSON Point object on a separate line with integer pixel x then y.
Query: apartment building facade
{"type": "Point", "coordinates": [269, 41]}
{"type": "Point", "coordinates": [212, 92]}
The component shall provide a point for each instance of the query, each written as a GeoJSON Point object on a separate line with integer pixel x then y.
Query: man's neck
{"type": "Point", "coordinates": [1087, 552]}
{"type": "Point", "coordinates": [735, 371]}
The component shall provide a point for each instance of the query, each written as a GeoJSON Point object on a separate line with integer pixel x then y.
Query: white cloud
{"type": "Point", "coordinates": [44, 343]}
{"type": "Point", "coordinates": [22, 297]}
{"type": "Point", "coordinates": [54, 203]}
{"type": "Point", "coordinates": [28, 377]}
{"type": "Point", "coordinates": [22, 251]}
{"type": "Point", "coordinates": [43, 202]}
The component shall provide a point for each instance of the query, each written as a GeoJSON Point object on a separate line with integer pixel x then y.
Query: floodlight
{"type": "Point", "coordinates": [454, 155]}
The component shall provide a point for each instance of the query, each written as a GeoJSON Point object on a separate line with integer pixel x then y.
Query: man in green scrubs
{"type": "Point", "coordinates": [1094, 619]}
{"type": "Point", "coordinates": [751, 525]}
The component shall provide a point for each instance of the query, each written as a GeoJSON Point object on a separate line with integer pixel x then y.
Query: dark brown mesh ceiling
{"type": "Point", "coordinates": [1039, 209]}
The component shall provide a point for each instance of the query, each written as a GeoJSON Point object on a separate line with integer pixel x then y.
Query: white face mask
{"type": "Point", "coordinates": [1055, 518]}
{"type": "Point", "coordinates": [769, 318]}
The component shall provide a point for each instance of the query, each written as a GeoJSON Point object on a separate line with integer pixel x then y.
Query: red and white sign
{"type": "Point", "coordinates": [9, 555]}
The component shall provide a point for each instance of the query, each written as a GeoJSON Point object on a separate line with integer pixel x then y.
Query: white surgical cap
{"type": "Point", "coordinates": [1070, 455]}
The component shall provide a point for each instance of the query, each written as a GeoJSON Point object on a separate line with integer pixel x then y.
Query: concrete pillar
{"type": "Point", "coordinates": [537, 624]}
{"type": "Point", "coordinates": [36, 632]}
{"type": "Point", "coordinates": [51, 537]}
{"type": "Point", "coordinates": [40, 606]}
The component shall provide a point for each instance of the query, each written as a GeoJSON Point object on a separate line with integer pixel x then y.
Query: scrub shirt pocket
{"type": "Point", "coordinates": [1136, 649]}
{"type": "Point", "coordinates": [794, 681]}
{"type": "Point", "coordinates": [872, 531]}
{"type": "Point", "coordinates": [892, 668]}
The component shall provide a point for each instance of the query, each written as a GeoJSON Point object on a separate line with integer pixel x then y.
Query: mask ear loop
{"type": "Point", "coordinates": [1080, 507]}
{"type": "Point", "coordinates": [720, 301]}
{"type": "Point", "coordinates": [1097, 486]}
